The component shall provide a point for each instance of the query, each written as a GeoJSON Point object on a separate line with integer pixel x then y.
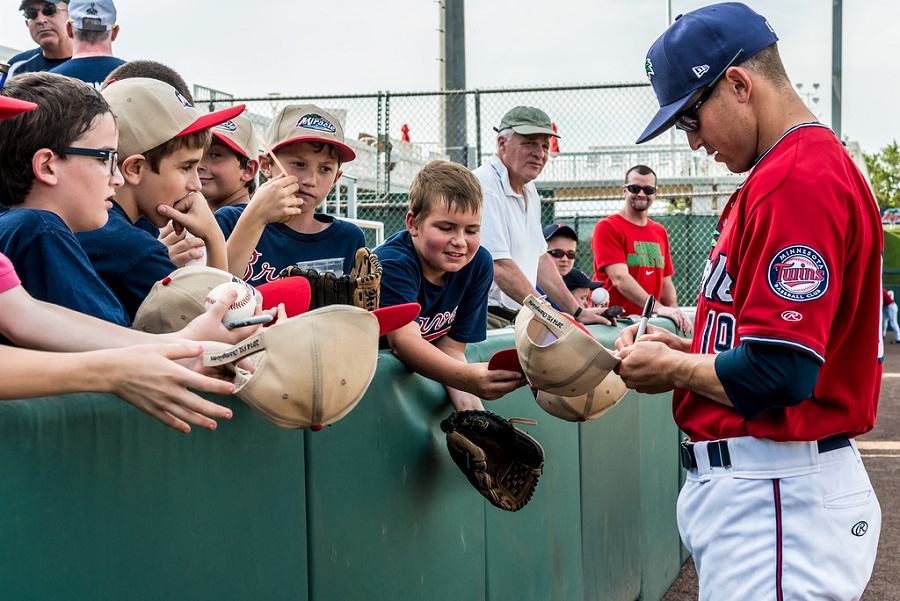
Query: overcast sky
{"type": "Point", "coordinates": [363, 46]}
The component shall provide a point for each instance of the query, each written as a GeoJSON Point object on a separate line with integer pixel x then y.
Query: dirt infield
{"type": "Point", "coordinates": [880, 450]}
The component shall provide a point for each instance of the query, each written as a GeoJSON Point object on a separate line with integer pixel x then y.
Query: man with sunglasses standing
{"type": "Point", "coordinates": [784, 370]}
{"type": "Point", "coordinates": [631, 253]}
{"type": "Point", "coordinates": [46, 23]}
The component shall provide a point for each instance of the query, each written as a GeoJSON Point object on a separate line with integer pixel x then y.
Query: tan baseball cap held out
{"type": "Point", "coordinates": [527, 120]}
{"type": "Point", "coordinates": [312, 369]}
{"type": "Point", "coordinates": [309, 123]}
{"type": "Point", "coordinates": [557, 356]}
{"type": "Point", "coordinates": [238, 135]}
{"type": "Point", "coordinates": [151, 112]}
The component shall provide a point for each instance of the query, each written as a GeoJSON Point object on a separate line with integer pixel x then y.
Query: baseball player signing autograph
{"type": "Point", "coordinates": [784, 367]}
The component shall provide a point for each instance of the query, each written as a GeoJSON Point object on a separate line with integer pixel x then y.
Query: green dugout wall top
{"type": "Point", "coordinates": [100, 501]}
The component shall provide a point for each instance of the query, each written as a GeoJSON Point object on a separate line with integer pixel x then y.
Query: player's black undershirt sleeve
{"type": "Point", "coordinates": [757, 377]}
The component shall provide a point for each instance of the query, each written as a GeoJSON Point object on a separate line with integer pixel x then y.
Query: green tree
{"type": "Point", "coordinates": [884, 173]}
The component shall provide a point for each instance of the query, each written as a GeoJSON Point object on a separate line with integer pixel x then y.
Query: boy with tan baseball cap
{"type": "Point", "coordinates": [230, 164]}
{"type": "Point", "coordinates": [280, 226]}
{"type": "Point", "coordinates": [161, 141]}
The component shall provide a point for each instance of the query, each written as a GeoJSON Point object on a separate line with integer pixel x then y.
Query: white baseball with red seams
{"type": "Point", "coordinates": [244, 305]}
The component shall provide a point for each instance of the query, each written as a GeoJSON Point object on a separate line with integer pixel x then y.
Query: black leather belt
{"type": "Point", "coordinates": [720, 457]}
{"type": "Point", "coordinates": [502, 312]}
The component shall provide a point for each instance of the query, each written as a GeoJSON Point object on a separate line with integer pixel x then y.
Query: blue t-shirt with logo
{"type": "Point", "coordinates": [280, 246]}
{"type": "Point", "coordinates": [457, 309]}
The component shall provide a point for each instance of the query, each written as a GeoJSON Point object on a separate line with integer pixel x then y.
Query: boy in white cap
{"type": "Point", "coordinates": [282, 227]}
{"type": "Point", "coordinates": [161, 141]}
{"type": "Point", "coordinates": [229, 165]}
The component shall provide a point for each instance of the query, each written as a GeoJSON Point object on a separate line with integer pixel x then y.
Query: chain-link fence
{"type": "Point", "coordinates": [396, 134]}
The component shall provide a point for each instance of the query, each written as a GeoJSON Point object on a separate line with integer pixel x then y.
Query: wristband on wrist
{"type": "Point", "coordinates": [577, 312]}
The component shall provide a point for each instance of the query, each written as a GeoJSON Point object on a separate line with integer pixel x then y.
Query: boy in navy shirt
{"type": "Point", "coordinates": [280, 226]}
{"type": "Point", "coordinates": [229, 165]}
{"type": "Point", "coordinates": [161, 141]}
{"type": "Point", "coordinates": [57, 172]}
{"type": "Point", "coordinates": [438, 262]}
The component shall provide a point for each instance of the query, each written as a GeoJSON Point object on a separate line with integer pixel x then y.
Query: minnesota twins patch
{"type": "Point", "coordinates": [317, 122]}
{"type": "Point", "coordinates": [798, 273]}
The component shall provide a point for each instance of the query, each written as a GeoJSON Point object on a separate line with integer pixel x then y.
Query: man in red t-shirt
{"type": "Point", "coordinates": [631, 253]}
{"type": "Point", "coordinates": [784, 369]}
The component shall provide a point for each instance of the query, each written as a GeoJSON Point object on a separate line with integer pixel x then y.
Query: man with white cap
{"type": "Point", "coordinates": [92, 27]}
{"type": "Point", "coordinates": [46, 22]}
{"type": "Point", "coordinates": [784, 369]}
{"type": "Point", "coordinates": [511, 220]}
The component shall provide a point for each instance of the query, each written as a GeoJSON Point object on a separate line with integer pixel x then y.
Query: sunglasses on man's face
{"type": "Point", "coordinates": [559, 254]}
{"type": "Point", "coordinates": [635, 189]}
{"type": "Point", "coordinates": [48, 10]}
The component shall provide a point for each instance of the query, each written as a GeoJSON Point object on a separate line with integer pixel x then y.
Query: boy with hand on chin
{"type": "Point", "coordinates": [438, 262]}
{"type": "Point", "coordinates": [280, 226]}
{"type": "Point", "coordinates": [161, 141]}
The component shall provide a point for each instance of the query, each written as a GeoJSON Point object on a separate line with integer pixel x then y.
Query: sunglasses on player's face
{"type": "Point", "coordinates": [635, 189]}
{"type": "Point", "coordinates": [559, 254]}
{"type": "Point", "coordinates": [48, 10]}
{"type": "Point", "coordinates": [687, 120]}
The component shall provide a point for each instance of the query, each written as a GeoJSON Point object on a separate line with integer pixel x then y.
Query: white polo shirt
{"type": "Point", "coordinates": [510, 225]}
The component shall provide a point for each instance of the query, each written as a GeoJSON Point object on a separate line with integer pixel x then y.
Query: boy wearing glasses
{"type": "Point", "coordinates": [57, 171]}
{"type": "Point", "coordinates": [631, 253]}
{"type": "Point", "coordinates": [161, 141]}
{"type": "Point", "coordinates": [46, 22]}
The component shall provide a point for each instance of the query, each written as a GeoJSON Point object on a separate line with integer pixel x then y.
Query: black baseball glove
{"type": "Point", "coordinates": [502, 462]}
{"type": "Point", "coordinates": [361, 287]}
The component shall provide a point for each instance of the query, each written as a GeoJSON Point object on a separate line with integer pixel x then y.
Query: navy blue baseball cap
{"type": "Point", "coordinates": [695, 49]}
{"type": "Point", "coordinates": [579, 279]}
{"type": "Point", "coordinates": [559, 229]}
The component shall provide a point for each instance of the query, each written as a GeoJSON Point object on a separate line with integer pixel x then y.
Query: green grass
{"type": "Point", "coordinates": [892, 256]}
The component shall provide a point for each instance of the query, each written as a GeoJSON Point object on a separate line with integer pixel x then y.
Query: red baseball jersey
{"type": "Point", "coordinates": [796, 262]}
{"type": "Point", "coordinates": [644, 249]}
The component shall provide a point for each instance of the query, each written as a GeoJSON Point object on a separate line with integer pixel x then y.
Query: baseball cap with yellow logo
{"type": "Point", "coordinates": [151, 112]}
{"type": "Point", "coordinates": [308, 123]}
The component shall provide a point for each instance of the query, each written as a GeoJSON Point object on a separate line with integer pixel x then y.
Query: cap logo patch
{"type": "Point", "coordinates": [316, 122]}
{"type": "Point", "coordinates": [798, 273]}
{"type": "Point", "coordinates": [227, 126]}
{"type": "Point", "coordinates": [92, 9]}
{"type": "Point", "coordinates": [648, 67]}
{"type": "Point", "coordinates": [699, 70]}
{"type": "Point", "coordinates": [184, 101]}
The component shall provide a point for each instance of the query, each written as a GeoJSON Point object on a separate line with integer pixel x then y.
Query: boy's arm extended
{"type": "Point", "coordinates": [445, 362]}
{"type": "Point", "coordinates": [273, 202]}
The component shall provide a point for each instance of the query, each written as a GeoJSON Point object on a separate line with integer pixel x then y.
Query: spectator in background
{"type": "Point", "coordinates": [889, 315]}
{"type": "Point", "coordinates": [511, 220]}
{"type": "Point", "coordinates": [562, 242]}
{"type": "Point", "coordinates": [46, 22]}
{"type": "Point", "coordinates": [92, 27]}
{"type": "Point", "coordinates": [631, 252]}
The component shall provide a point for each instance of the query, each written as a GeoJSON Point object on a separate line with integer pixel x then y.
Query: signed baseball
{"type": "Point", "coordinates": [244, 305]}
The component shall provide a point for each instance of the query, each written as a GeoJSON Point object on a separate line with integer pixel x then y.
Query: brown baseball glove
{"type": "Point", "coordinates": [502, 462]}
{"type": "Point", "coordinates": [361, 287]}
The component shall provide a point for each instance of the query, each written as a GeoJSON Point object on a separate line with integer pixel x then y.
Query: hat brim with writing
{"type": "Point", "coordinates": [312, 369]}
{"type": "Point", "coordinates": [558, 356]}
{"type": "Point", "coordinates": [10, 107]}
